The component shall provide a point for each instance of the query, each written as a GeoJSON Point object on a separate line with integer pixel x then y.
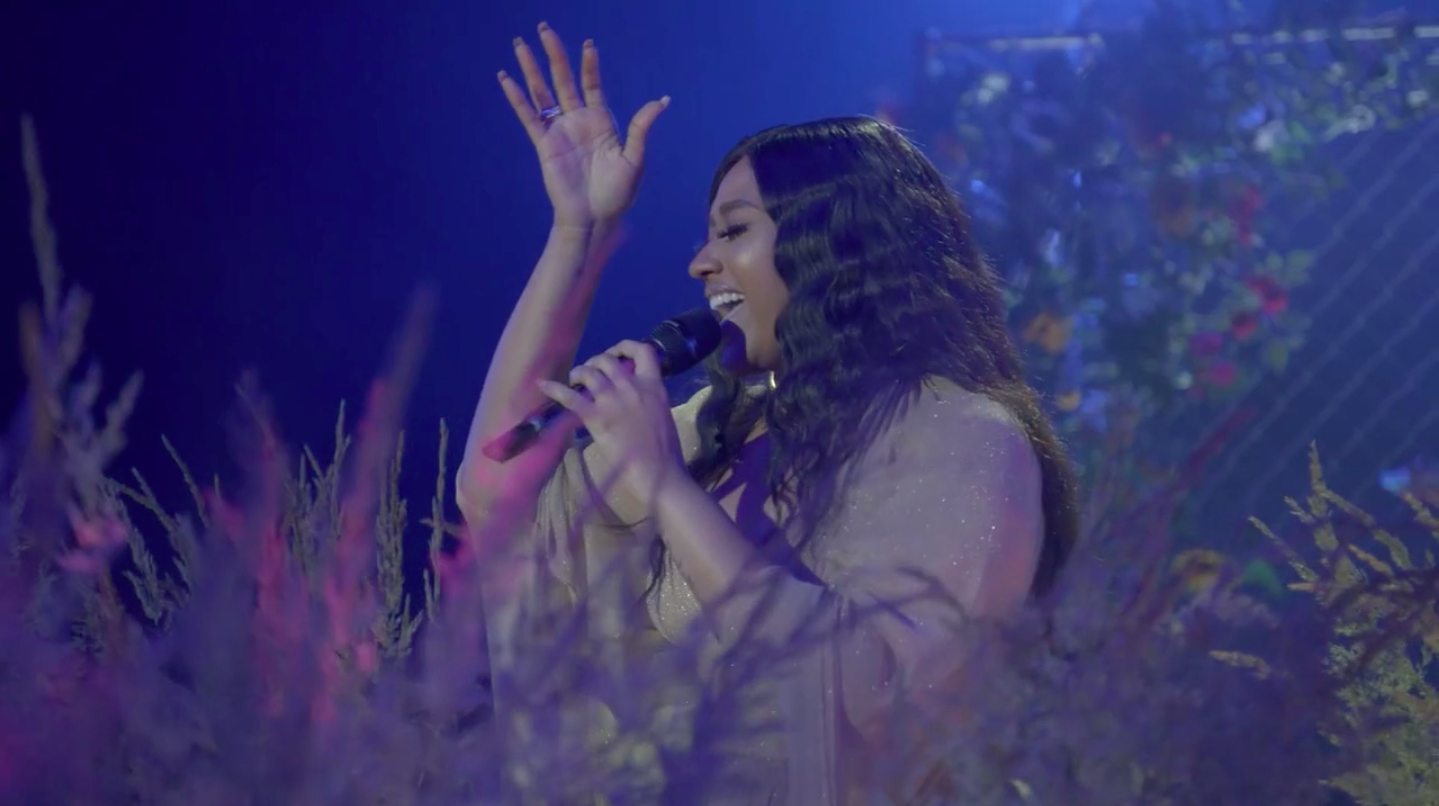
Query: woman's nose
{"type": "Point", "coordinates": [703, 265]}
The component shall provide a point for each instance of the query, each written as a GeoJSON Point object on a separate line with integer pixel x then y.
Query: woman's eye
{"type": "Point", "coordinates": [730, 233]}
{"type": "Point", "coordinates": [726, 234]}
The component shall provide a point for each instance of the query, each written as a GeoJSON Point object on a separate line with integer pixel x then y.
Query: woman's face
{"type": "Point", "coordinates": [736, 266]}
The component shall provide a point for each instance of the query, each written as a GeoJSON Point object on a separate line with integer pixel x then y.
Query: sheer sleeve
{"type": "Point", "coordinates": [579, 548]}
{"type": "Point", "coordinates": [951, 499]}
{"type": "Point", "coordinates": [948, 496]}
{"type": "Point", "coordinates": [573, 520]}
{"type": "Point", "coordinates": [582, 528]}
{"type": "Point", "coordinates": [553, 580]}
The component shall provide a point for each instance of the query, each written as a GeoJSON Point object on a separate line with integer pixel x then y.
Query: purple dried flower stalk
{"type": "Point", "coordinates": [281, 661]}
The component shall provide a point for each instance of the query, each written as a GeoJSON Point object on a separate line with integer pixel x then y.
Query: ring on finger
{"type": "Point", "coordinates": [548, 115]}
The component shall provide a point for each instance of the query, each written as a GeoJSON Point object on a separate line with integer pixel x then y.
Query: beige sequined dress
{"type": "Point", "coordinates": [951, 488]}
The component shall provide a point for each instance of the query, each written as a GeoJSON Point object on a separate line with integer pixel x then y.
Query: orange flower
{"type": "Point", "coordinates": [1050, 332]}
{"type": "Point", "coordinates": [1200, 569]}
{"type": "Point", "coordinates": [1173, 206]}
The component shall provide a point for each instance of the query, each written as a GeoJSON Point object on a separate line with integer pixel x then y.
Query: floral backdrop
{"type": "Point", "coordinates": [1131, 188]}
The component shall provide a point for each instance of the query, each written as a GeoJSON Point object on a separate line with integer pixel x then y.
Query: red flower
{"type": "Point", "coordinates": [1273, 297]}
{"type": "Point", "coordinates": [1244, 324]}
{"type": "Point", "coordinates": [1221, 374]}
{"type": "Point", "coordinates": [1206, 343]}
{"type": "Point", "coordinates": [1243, 210]}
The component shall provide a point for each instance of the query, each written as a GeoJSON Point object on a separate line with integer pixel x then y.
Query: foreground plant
{"type": "Point", "coordinates": [267, 649]}
{"type": "Point", "coordinates": [1382, 600]}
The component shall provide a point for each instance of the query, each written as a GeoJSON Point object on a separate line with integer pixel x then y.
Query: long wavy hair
{"type": "Point", "coordinates": [887, 289]}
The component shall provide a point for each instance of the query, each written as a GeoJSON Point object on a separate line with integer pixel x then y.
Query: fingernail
{"type": "Point", "coordinates": [519, 42]}
{"type": "Point", "coordinates": [589, 43]}
{"type": "Point", "coordinates": [502, 75]}
{"type": "Point", "coordinates": [665, 101]}
{"type": "Point", "coordinates": [544, 26]}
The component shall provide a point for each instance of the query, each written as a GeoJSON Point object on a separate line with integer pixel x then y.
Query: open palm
{"type": "Point", "coordinates": [589, 173]}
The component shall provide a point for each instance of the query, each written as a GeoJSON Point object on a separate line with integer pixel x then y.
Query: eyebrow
{"type": "Point", "coordinates": [730, 205]}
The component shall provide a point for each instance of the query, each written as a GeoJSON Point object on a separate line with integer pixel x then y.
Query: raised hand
{"type": "Point", "coordinates": [590, 175]}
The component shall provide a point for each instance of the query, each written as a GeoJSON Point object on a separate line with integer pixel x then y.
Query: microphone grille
{"type": "Point", "coordinates": [686, 340]}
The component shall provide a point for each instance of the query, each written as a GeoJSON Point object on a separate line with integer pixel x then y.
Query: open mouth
{"type": "Point", "coordinates": [724, 304]}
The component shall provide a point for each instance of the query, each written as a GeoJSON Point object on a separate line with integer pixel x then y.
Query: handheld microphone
{"type": "Point", "coordinates": [681, 342]}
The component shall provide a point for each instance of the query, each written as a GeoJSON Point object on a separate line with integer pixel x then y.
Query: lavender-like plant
{"type": "Point", "coordinates": [274, 655]}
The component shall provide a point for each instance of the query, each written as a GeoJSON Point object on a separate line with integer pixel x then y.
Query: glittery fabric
{"type": "Point", "coordinates": [951, 489]}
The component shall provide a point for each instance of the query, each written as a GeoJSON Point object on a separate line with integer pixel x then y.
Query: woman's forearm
{"type": "Point", "coordinates": [539, 341]}
{"type": "Point", "coordinates": [711, 551]}
{"type": "Point", "coordinates": [728, 576]}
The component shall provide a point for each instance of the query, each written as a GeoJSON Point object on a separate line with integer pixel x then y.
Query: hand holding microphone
{"type": "Point", "coordinates": [608, 394]}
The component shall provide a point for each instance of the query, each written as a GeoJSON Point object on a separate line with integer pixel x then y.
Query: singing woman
{"type": "Point", "coordinates": [866, 416]}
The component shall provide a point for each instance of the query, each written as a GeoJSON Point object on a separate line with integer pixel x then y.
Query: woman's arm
{"type": "Point", "coordinates": [591, 177]}
{"type": "Point", "coordinates": [539, 341]}
{"type": "Point", "coordinates": [959, 502]}
{"type": "Point", "coordinates": [713, 555]}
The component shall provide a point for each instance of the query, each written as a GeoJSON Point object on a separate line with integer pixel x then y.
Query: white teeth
{"type": "Point", "coordinates": [727, 298]}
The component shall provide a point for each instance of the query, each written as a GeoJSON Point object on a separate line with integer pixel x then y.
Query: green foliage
{"type": "Point", "coordinates": [1383, 601]}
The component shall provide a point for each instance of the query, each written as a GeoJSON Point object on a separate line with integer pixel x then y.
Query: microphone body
{"type": "Point", "coordinates": [680, 342]}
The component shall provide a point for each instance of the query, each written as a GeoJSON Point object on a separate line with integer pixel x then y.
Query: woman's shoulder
{"type": "Point", "coordinates": [944, 407]}
{"type": "Point", "coordinates": [939, 412]}
{"type": "Point", "coordinates": [944, 427]}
